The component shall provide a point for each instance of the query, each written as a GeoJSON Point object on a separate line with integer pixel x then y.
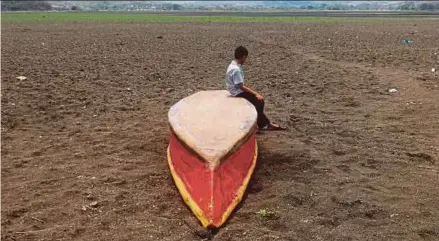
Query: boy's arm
{"type": "Point", "coordinates": [248, 90]}
{"type": "Point", "coordinates": [238, 79]}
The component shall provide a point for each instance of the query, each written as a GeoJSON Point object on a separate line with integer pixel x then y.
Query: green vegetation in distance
{"type": "Point", "coordinates": [148, 17]}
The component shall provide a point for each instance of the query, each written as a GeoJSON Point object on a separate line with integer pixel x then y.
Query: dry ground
{"type": "Point", "coordinates": [84, 137]}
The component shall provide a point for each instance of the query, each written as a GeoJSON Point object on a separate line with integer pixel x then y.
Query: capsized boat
{"type": "Point", "coordinates": [212, 152]}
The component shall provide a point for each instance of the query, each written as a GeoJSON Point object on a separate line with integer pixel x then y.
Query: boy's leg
{"type": "Point", "coordinates": [263, 120]}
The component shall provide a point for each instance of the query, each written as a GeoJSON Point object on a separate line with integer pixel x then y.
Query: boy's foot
{"type": "Point", "coordinates": [274, 127]}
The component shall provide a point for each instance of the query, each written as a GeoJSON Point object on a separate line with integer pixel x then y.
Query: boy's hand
{"type": "Point", "coordinates": [259, 97]}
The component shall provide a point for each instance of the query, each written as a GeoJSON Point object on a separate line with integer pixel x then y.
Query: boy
{"type": "Point", "coordinates": [235, 85]}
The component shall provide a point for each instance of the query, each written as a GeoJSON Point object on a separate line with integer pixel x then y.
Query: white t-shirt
{"type": "Point", "coordinates": [234, 77]}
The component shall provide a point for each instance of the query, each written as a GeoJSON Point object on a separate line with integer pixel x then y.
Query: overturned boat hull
{"type": "Point", "coordinates": [212, 152]}
{"type": "Point", "coordinates": [212, 193]}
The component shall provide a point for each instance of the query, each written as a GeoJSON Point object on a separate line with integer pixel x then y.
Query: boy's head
{"type": "Point", "coordinates": [241, 54]}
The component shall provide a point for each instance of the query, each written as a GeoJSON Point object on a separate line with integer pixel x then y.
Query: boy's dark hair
{"type": "Point", "coordinates": [240, 52]}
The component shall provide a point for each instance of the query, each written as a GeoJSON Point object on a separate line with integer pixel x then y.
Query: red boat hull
{"type": "Point", "coordinates": [212, 193]}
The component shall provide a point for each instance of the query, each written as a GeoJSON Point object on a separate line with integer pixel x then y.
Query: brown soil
{"type": "Point", "coordinates": [84, 137]}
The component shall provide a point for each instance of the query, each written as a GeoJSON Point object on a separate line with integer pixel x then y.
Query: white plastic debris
{"type": "Point", "coordinates": [304, 221]}
{"type": "Point", "coordinates": [92, 206]}
{"type": "Point", "coordinates": [21, 77]}
{"type": "Point", "coordinates": [433, 70]}
{"type": "Point", "coordinates": [393, 90]}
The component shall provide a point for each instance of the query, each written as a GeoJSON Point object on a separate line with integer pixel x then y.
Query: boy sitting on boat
{"type": "Point", "coordinates": [235, 85]}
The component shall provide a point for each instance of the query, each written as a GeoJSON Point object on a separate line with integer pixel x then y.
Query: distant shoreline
{"type": "Point", "coordinates": [323, 13]}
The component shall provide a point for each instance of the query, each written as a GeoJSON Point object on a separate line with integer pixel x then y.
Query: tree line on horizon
{"type": "Point", "coordinates": [110, 6]}
{"type": "Point", "coordinates": [25, 6]}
